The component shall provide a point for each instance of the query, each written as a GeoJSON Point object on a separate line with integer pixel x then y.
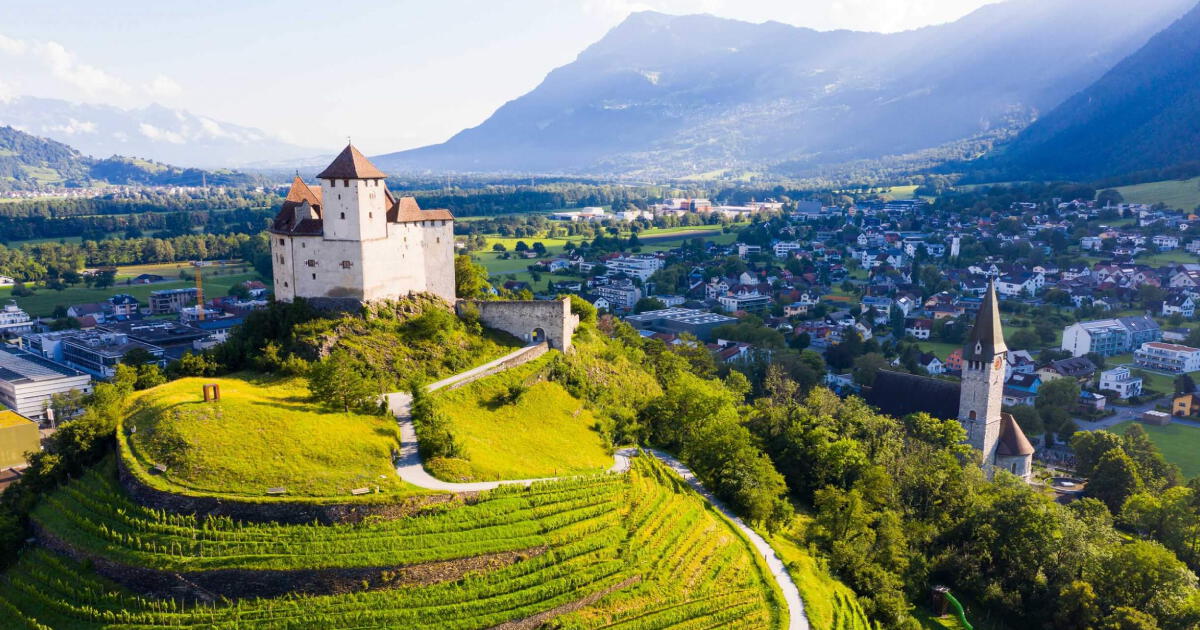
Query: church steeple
{"type": "Point", "coordinates": [986, 339]}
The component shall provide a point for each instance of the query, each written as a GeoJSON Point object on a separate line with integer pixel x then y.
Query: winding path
{"type": "Point", "coordinates": [410, 469]}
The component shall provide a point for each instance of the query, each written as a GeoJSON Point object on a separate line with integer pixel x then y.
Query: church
{"type": "Point", "coordinates": [975, 402]}
{"type": "Point", "coordinates": [348, 241]}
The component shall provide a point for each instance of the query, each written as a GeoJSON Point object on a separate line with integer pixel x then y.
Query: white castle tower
{"type": "Point", "coordinates": [994, 433]}
{"type": "Point", "coordinates": [348, 241]}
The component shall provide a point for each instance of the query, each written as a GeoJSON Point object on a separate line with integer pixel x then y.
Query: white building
{"type": "Point", "coordinates": [1180, 303]}
{"type": "Point", "coordinates": [14, 321]}
{"type": "Point", "coordinates": [1122, 381]}
{"type": "Point", "coordinates": [619, 295]}
{"type": "Point", "coordinates": [350, 241]}
{"type": "Point", "coordinates": [27, 382]}
{"type": "Point", "coordinates": [783, 249]}
{"type": "Point", "coordinates": [1167, 357]}
{"type": "Point", "coordinates": [640, 267]}
{"type": "Point", "coordinates": [1166, 242]}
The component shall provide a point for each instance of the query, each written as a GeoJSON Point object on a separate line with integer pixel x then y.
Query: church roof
{"type": "Point", "coordinates": [1012, 439]}
{"type": "Point", "coordinates": [986, 338]}
{"type": "Point", "coordinates": [898, 394]}
{"type": "Point", "coordinates": [351, 164]}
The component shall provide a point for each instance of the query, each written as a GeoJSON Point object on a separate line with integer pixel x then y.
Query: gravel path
{"type": "Point", "coordinates": [409, 467]}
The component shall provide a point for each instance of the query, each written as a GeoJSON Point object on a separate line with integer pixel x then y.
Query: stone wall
{"type": "Point", "coordinates": [278, 510]}
{"type": "Point", "coordinates": [521, 318]}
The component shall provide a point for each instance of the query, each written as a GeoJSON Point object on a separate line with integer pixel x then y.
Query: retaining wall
{"type": "Point", "coordinates": [521, 318]}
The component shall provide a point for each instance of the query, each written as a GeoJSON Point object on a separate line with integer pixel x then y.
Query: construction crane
{"type": "Point", "coordinates": [199, 275]}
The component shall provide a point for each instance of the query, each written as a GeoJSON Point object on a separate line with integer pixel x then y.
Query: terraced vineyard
{"type": "Point", "coordinates": [630, 551]}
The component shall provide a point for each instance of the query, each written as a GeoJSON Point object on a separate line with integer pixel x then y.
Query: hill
{"type": "Point", "coordinates": [28, 162]}
{"type": "Point", "coordinates": [263, 433]}
{"type": "Point", "coordinates": [1142, 115]}
{"type": "Point", "coordinates": [154, 132]}
{"type": "Point", "coordinates": [690, 94]}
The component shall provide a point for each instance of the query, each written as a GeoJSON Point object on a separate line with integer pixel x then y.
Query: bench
{"type": "Point", "coordinates": [360, 491]}
{"type": "Point", "coordinates": [276, 491]}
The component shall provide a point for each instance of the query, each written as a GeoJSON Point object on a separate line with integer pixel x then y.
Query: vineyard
{"type": "Point", "coordinates": [639, 550]}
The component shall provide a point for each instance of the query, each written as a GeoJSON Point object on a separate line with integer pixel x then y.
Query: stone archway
{"type": "Point", "coordinates": [538, 335]}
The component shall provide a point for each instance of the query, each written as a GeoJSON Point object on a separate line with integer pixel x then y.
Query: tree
{"type": "Point", "coordinates": [340, 382]}
{"type": "Point", "coordinates": [499, 247]}
{"type": "Point", "coordinates": [149, 375]}
{"type": "Point", "coordinates": [867, 367]}
{"type": "Point", "coordinates": [1144, 576]}
{"type": "Point", "coordinates": [239, 291]}
{"type": "Point", "coordinates": [1184, 384]}
{"type": "Point", "coordinates": [1024, 339]}
{"type": "Point", "coordinates": [1028, 419]}
{"type": "Point", "coordinates": [65, 405]}
{"type": "Point", "coordinates": [470, 278]}
{"type": "Point", "coordinates": [195, 365]}
{"type": "Point", "coordinates": [521, 246]}
{"type": "Point", "coordinates": [648, 304]}
{"type": "Point", "coordinates": [1126, 618]}
{"type": "Point", "coordinates": [1114, 479]}
{"type": "Point", "coordinates": [1060, 393]}
{"type": "Point", "coordinates": [540, 248]}
{"type": "Point", "coordinates": [1090, 446]}
{"type": "Point", "coordinates": [1078, 607]}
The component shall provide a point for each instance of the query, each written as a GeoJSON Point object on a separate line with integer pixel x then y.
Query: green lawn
{"type": "Point", "coordinates": [1183, 194]}
{"type": "Point", "coordinates": [941, 350]}
{"type": "Point", "coordinates": [43, 301]}
{"type": "Point", "coordinates": [1179, 443]}
{"type": "Point", "coordinates": [263, 433]}
{"type": "Point", "coordinates": [515, 425]}
{"type": "Point", "coordinates": [1173, 257]}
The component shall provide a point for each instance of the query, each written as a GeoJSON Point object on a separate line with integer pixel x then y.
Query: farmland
{"type": "Point", "coordinates": [639, 550]}
{"type": "Point", "coordinates": [1176, 193]}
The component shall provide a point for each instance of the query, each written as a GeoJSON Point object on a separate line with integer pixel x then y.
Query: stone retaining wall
{"type": "Point", "coordinates": [521, 318]}
{"type": "Point", "coordinates": [528, 354]}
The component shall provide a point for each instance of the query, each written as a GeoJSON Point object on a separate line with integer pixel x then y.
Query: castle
{"type": "Point", "coordinates": [349, 241]}
{"type": "Point", "coordinates": [976, 402]}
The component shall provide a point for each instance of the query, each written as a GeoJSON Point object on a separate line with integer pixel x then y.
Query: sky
{"type": "Point", "coordinates": [389, 74]}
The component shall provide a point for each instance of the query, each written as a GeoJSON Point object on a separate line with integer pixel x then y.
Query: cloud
{"type": "Point", "coordinates": [154, 133]}
{"type": "Point", "coordinates": [7, 92]}
{"type": "Point", "coordinates": [12, 46]}
{"type": "Point", "coordinates": [73, 127]}
{"type": "Point", "coordinates": [88, 78]}
{"type": "Point", "coordinates": [163, 86]}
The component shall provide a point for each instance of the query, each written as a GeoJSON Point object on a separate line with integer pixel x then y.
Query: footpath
{"type": "Point", "coordinates": [410, 469]}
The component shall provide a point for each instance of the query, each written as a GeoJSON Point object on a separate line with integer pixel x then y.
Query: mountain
{"type": "Point", "coordinates": [693, 93]}
{"type": "Point", "coordinates": [1144, 114]}
{"type": "Point", "coordinates": [153, 132]}
{"type": "Point", "coordinates": [28, 162]}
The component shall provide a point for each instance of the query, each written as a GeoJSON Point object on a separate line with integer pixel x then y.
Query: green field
{"type": "Point", "coordinates": [262, 434]}
{"type": "Point", "coordinates": [1179, 443]}
{"type": "Point", "coordinates": [217, 281]}
{"type": "Point", "coordinates": [1173, 257]}
{"type": "Point", "coordinates": [517, 425]}
{"type": "Point", "coordinates": [1182, 194]}
{"type": "Point", "coordinates": [639, 550]}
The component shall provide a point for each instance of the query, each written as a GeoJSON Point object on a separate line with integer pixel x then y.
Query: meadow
{"type": "Point", "coordinates": [1179, 444]}
{"type": "Point", "coordinates": [1176, 193]}
{"type": "Point", "coordinates": [263, 433]}
{"type": "Point", "coordinates": [518, 425]}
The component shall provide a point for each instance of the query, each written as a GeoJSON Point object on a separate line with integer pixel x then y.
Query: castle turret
{"type": "Point", "coordinates": [356, 200]}
{"type": "Point", "coordinates": [982, 393]}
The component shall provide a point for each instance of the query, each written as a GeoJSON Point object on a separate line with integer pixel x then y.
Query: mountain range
{"type": "Point", "coordinates": [28, 162]}
{"type": "Point", "coordinates": [1142, 115]}
{"type": "Point", "coordinates": [154, 132]}
{"type": "Point", "coordinates": [690, 94]}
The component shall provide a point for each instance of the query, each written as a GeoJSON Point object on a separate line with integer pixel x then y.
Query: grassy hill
{"type": "Point", "coordinates": [618, 551]}
{"type": "Point", "coordinates": [28, 162]}
{"type": "Point", "coordinates": [1176, 193]}
{"type": "Point", "coordinates": [518, 425]}
{"type": "Point", "coordinates": [262, 434]}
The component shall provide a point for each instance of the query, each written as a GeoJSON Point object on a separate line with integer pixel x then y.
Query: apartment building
{"type": "Point", "coordinates": [1167, 357]}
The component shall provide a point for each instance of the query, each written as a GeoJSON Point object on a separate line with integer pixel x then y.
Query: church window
{"type": "Point", "coordinates": [971, 415]}
{"type": "Point", "coordinates": [346, 264]}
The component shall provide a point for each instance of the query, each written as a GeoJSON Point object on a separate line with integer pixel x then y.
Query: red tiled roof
{"type": "Point", "coordinates": [1012, 438]}
{"type": "Point", "coordinates": [351, 164]}
{"type": "Point", "coordinates": [406, 210]}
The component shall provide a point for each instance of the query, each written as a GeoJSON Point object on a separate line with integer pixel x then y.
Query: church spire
{"type": "Point", "coordinates": [986, 338]}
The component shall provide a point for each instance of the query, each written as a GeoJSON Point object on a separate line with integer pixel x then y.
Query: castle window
{"type": "Point", "coordinates": [371, 215]}
{"type": "Point", "coordinates": [303, 245]}
{"type": "Point", "coordinates": [343, 215]}
{"type": "Point", "coordinates": [281, 259]}
{"type": "Point", "coordinates": [346, 183]}
{"type": "Point", "coordinates": [346, 264]}
{"type": "Point", "coordinates": [281, 241]}
{"type": "Point", "coordinates": [314, 276]}
{"type": "Point", "coordinates": [310, 262]}
{"type": "Point", "coordinates": [285, 283]}
{"type": "Point", "coordinates": [971, 415]}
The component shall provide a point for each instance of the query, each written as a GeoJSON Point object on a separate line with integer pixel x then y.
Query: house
{"type": "Point", "coordinates": [954, 361]}
{"type": "Point", "coordinates": [620, 295]}
{"type": "Point", "coordinates": [14, 320]}
{"type": "Point", "coordinates": [919, 328]}
{"type": "Point", "coordinates": [748, 301]}
{"type": "Point", "coordinates": [1079, 368]}
{"type": "Point", "coordinates": [255, 288]}
{"type": "Point", "coordinates": [167, 301]}
{"type": "Point", "coordinates": [1165, 242]}
{"type": "Point", "coordinates": [1185, 405]}
{"type": "Point", "coordinates": [1108, 337]}
{"type": "Point", "coordinates": [91, 309]}
{"type": "Point", "coordinates": [1020, 362]}
{"type": "Point", "coordinates": [1024, 382]}
{"type": "Point", "coordinates": [1091, 402]}
{"type": "Point", "coordinates": [124, 305]}
{"type": "Point", "coordinates": [931, 363]}
{"type": "Point", "coordinates": [1167, 357]}
{"type": "Point", "coordinates": [1014, 397]}
{"type": "Point", "coordinates": [1121, 381]}
{"type": "Point", "coordinates": [1180, 303]}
